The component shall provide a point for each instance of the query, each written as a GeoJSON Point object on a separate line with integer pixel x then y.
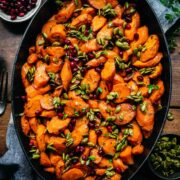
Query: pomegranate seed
{"type": "Point", "coordinates": [67, 41]}
{"type": "Point", "coordinates": [128, 26]}
{"type": "Point", "coordinates": [91, 56]}
{"type": "Point", "coordinates": [100, 152]}
{"type": "Point", "coordinates": [60, 109]}
{"type": "Point", "coordinates": [121, 53]}
{"type": "Point", "coordinates": [74, 161]}
{"type": "Point", "coordinates": [73, 121]}
{"type": "Point", "coordinates": [73, 64]}
{"type": "Point", "coordinates": [76, 59]}
{"type": "Point", "coordinates": [140, 78]}
{"type": "Point", "coordinates": [118, 170]}
{"type": "Point", "coordinates": [136, 36]}
{"type": "Point", "coordinates": [97, 69]}
{"type": "Point", "coordinates": [75, 69]}
{"type": "Point", "coordinates": [128, 70]}
{"type": "Point", "coordinates": [71, 127]}
{"type": "Point", "coordinates": [91, 125]}
{"type": "Point", "coordinates": [84, 157]}
{"type": "Point", "coordinates": [60, 115]}
{"type": "Point", "coordinates": [99, 115]}
{"type": "Point", "coordinates": [21, 14]}
{"type": "Point", "coordinates": [31, 143]}
{"type": "Point", "coordinates": [109, 128]}
{"type": "Point", "coordinates": [109, 85]}
{"type": "Point", "coordinates": [38, 113]}
{"type": "Point", "coordinates": [98, 132]}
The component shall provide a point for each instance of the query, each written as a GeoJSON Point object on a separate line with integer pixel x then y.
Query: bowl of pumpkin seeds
{"type": "Point", "coordinates": [164, 161]}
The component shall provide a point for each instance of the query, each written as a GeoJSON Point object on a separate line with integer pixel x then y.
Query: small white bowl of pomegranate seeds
{"type": "Point", "coordinates": [18, 10]}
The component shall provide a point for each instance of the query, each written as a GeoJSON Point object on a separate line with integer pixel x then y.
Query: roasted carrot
{"type": "Point", "coordinates": [25, 125]}
{"type": "Point", "coordinates": [98, 4]}
{"type": "Point", "coordinates": [98, 22]}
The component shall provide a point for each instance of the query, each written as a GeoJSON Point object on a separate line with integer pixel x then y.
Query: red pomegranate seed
{"type": "Point", "coordinates": [128, 26]}
{"type": "Point", "coordinates": [136, 36]}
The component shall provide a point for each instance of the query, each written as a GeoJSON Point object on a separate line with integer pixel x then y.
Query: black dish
{"type": "Point", "coordinates": [46, 11]}
{"type": "Point", "coordinates": [174, 176]}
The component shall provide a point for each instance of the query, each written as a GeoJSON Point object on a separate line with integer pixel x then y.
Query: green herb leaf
{"type": "Point", "coordinates": [152, 87]}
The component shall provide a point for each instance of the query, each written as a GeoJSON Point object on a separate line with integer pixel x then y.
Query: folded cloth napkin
{"type": "Point", "coordinates": [13, 165]}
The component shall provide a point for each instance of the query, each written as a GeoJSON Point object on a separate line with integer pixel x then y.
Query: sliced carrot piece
{"type": "Point", "coordinates": [88, 10]}
{"type": "Point", "coordinates": [152, 47]}
{"type": "Point", "coordinates": [93, 104]}
{"type": "Point", "coordinates": [54, 158]}
{"type": "Point", "coordinates": [98, 4]}
{"type": "Point", "coordinates": [109, 147]}
{"type": "Point", "coordinates": [40, 137]}
{"type": "Point", "coordinates": [138, 149]}
{"type": "Point", "coordinates": [33, 58]}
{"type": "Point", "coordinates": [100, 172]}
{"type": "Point", "coordinates": [33, 122]}
{"type": "Point", "coordinates": [125, 115]}
{"type": "Point", "coordinates": [48, 114]}
{"type": "Point", "coordinates": [48, 26]}
{"type": "Point", "coordinates": [146, 118]}
{"type": "Point", "coordinates": [66, 74]}
{"type": "Point", "coordinates": [105, 90]}
{"type": "Point", "coordinates": [50, 170]}
{"type": "Point", "coordinates": [80, 20]}
{"type": "Point", "coordinates": [109, 70]}
{"type": "Point", "coordinates": [96, 62]}
{"type": "Point", "coordinates": [91, 79]}
{"type": "Point", "coordinates": [119, 10]}
{"type": "Point", "coordinates": [66, 12]}
{"type": "Point", "coordinates": [94, 153]}
{"type": "Point", "coordinates": [136, 137]}
{"type": "Point", "coordinates": [118, 163]}
{"type": "Point", "coordinates": [115, 177]}
{"type": "Point", "coordinates": [98, 22]}
{"type": "Point", "coordinates": [157, 72]}
{"type": "Point", "coordinates": [55, 125]}
{"type": "Point", "coordinates": [25, 125]}
{"type": "Point", "coordinates": [57, 52]}
{"type": "Point", "coordinates": [117, 79]}
{"type": "Point", "coordinates": [114, 3]}
{"type": "Point", "coordinates": [92, 137]}
{"type": "Point", "coordinates": [24, 72]}
{"type": "Point", "coordinates": [105, 163]}
{"type": "Point", "coordinates": [133, 86]}
{"type": "Point", "coordinates": [157, 94]}
{"type": "Point", "coordinates": [58, 143]}
{"type": "Point", "coordinates": [129, 33]}
{"type": "Point", "coordinates": [44, 159]}
{"type": "Point", "coordinates": [74, 174]}
{"type": "Point", "coordinates": [47, 102]}
{"type": "Point", "coordinates": [126, 155]}
{"type": "Point", "coordinates": [123, 91]}
{"type": "Point", "coordinates": [90, 46]}
{"type": "Point", "coordinates": [151, 63]}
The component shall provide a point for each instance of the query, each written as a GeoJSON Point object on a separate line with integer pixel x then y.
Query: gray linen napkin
{"type": "Point", "coordinates": [15, 157]}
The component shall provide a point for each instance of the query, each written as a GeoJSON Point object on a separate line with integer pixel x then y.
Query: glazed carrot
{"type": "Point", "coordinates": [114, 3]}
{"type": "Point", "coordinates": [25, 125]}
{"type": "Point", "coordinates": [73, 174]}
{"type": "Point", "coordinates": [104, 88]}
{"type": "Point", "coordinates": [33, 58]}
{"type": "Point", "coordinates": [57, 33]}
{"type": "Point", "coordinates": [105, 34]}
{"type": "Point", "coordinates": [54, 158]}
{"type": "Point", "coordinates": [44, 159]}
{"type": "Point", "coordinates": [40, 137]}
{"type": "Point", "coordinates": [48, 114]}
{"type": "Point", "coordinates": [33, 122]}
{"type": "Point", "coordinates": [93, 104]}
{"type": "Point", "coordinates": [126, 155]}
{"type": "Point", "coordinates": [47, 102]}
{"type": "Point", "coordinates": [46, 30]}
{"type": "Point", "coordinates": [58, 143]}
{"type": "Point", "coordinates": [54, 67]}
{"type": "Point", "coordinates": [152, 62]}
{"type": "Point", "coordinates": [81, 19]}
{"type": "Point", "coordinates": [98, 158]}
{"type": "Point", "coordinates": [90, 178]}
{"type": "Point", "coordinates": [152, 47]}
{"type": "Point", "coordinates": [100, 172]}
{"type": "Point", "coordinates": [156, 94]}
{"type": "Point", "coordinates": [57, 52]}
{"type": "Point", "coordinates": [123, 91]}
{"type": "Point", "coordinates": [24, 72]}
{"type": "Point", "coordinates": [41, 78]}
{"type": "Point", "coordinates": [39, 43]}
{"type": "Point", "coordinates": [109, 70]}
{"type": "Point", "coordinates": [136, 137]}
{"type": "Point", "coordinates": [50, 170]}
{"type": "Point", "coordinates": [157, 71]}
{"type": "Point", "coordinates": [116, 177]}
{"type": "Point", "coordinates": [119, 10]}
{"type": "Point", "coordinates": [129, 33]}
{"type": "Point", "coordinates": [59, 169]}
{"type": "Point", "coordinates": [138, 149]}
{"type": "Point", "coordinates": [105, 163]}
{"type": "Point", "coordinates": [109, 146]}
{"type": "Point", "coordinates": [91, 79]}
{"type": "Point", "coordinates": [33, 106]}
{"type": "Point", "coordinates": [145, 117]}
{"type": "Point", "coordinates": [88, 10]}
{"type": "Point", "coordinates": [87, 151]}
{"type": "Point", "coordinates": [133, 86]}
{"type": "Point", "coordinates": [102, 139]}
{"type": "Point", "coordinates": [58, 91]}
{"type": "Point", "coordinates": [98, 4]}
{"type": "Point", "coordinates": [66, 74]}
{"type": "Point", "coordinates": [118, 163]}
{"type": "Point", "coordinates": [90, 46]}
{"type": "Point", "coordinates": [98, 22]}
{"type": "Point", "coordinates": [55, 125]}
{"type": "Point", "coordinates": [125, 115]}
{"type": "Point", "coordinates": [92, 138]}
{"type": "Point", "coordinates": [96, 62]}
{"type": "Point", "coordinates": [66, 12]}
{"type": "Point", "coordinates": [117, 79]}
{"type": "Point", "coordinates": [142, 37]}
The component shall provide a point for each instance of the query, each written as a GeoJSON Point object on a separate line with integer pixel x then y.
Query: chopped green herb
{"type": "Point", "coordinates": [30, 74]}
{"type": "Point", "coordinates": [152, 87]}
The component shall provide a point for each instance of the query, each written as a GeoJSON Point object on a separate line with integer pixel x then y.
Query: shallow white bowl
{"type": "Point", "coordinates": [21, 19]}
